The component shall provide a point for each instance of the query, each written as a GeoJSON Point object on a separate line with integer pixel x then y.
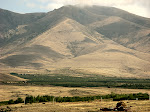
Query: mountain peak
{"type": "Point", "coordinates": [103, 40]}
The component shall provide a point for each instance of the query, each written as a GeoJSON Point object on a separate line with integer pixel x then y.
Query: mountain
{"type": "Point", "coordinates": [9, 78]}
{"type": "Point", "coordinates": [12, 23]}
{"type": "Point", "coordinates": [102, 40]}
{"type": "Point", "coordinates": [124, 28]}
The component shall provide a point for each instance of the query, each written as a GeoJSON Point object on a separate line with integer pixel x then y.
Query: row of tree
{"type": "Point", "coordinates": [115, 97]}
{"type": "Point", "coordinates": [18, 100]}
{"type": "Point", "coordinates": [46, 98]}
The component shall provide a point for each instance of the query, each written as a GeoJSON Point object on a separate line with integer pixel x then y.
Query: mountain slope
{"type": "Point", "coordinates": [92, 39]}
{"type": "Point", "coordinates": [55, 43]}
{"type": "Point", "coordinates": [127, 23]}
{"type": "Point", "coordinates": [124, 28]}
{"type": "Point", "coordinates": [8, 77]}
{"type": "Point", "coordinates": [47, 21]}
{"type": "Point", "coordinates": [125, 33]}
{"type": "Point", "coordinates": [9, 21]}
{"type": "Point", "coordinates": [79, 48]}
{"type": "Point", "coordinates": [111, 11]}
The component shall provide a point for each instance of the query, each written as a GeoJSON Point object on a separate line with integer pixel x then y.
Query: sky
{"type": "Point", "coordinates": [138, 7]}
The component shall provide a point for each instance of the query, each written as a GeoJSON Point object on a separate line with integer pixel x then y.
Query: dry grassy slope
{"type": "Point", "coordinates": [44, 22]}
{"type": "Point", "coordinates": [8, 77]}
{"type": "Point", "coordinates": [111, 11]}
{"type": "Point", "coordinates": [110, 57]}
{"type": "Point", "coordinates": [107, 21]}
{"type": "Point", "coordinates": [70, 44]}
{"type": "Point", "coordinates": [55, 44]}
{"type": "Point", "coordinates": [68, 38]}
{"type": "Point", "coordinates": [124, 32]}
{"type": "Point", "coordinates": [140, 40]}
{"type": "Point", "coordinates": [9, 21]}
{"type": "Point", "coordinates": [113, 60]}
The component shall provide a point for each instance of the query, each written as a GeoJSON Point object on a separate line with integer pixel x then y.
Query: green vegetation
{"type": "Point", "coordinates": [87, 80]}
{"type": "Point", "coordinates": [46, 98]}
{"type": "Point", "coordinates": [4, 103]}
{"type": "Point", "coordinates": [115, 97]}
{"type": "Point", "coordinates": [18, 100]}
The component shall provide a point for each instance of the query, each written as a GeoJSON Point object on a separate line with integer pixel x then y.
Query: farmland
{"type": "Point", "coordinates": [84, 80]}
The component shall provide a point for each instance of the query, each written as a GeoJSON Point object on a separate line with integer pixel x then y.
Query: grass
{"type": "Point", "coordinates": [94, 106]}
{"type": "Point", "coordinates": [46, 98]}
{"type": "Point", "coordinates": [41, 84]}
{"type": "Point", "coordinates": [8, 92]}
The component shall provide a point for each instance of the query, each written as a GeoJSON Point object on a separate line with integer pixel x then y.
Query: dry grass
{"type": "Point", "coordinates": [102, 56]}
{"type": "Point", "coordinates": [137, 106]}
{"type": "Point", "coordinates": [8, 92]}
{"type": "Point", "coordinates": [8, 77]}
{"type": "Point", "coordinates": [104, 22]}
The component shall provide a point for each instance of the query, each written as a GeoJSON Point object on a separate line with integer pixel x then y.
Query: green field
{"type": "Point", "coordinates": [89, 80]}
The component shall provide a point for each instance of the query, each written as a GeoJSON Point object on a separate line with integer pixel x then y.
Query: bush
{"type": "Point", "coordinates": [19, 100]}
{"type": "Point", "coordinates": [11, 101]}
{"type": "Point", "coordinates": [14, 73]}
{"type": "Point", "coordinates": [30, 99]}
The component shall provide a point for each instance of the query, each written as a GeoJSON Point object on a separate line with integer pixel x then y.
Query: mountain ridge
{"type": "Point", "coordinates": [63, 38]}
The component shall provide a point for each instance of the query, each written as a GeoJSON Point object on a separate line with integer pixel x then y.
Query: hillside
{"type": "Point", "coordinates": [9, 21]}
{"type": "Point", "coordinates": [111, 11]}
{"type": "Point", "coordinates": [8, 77]}
{"type": "Point", "coordinates": [109, 42]}
{"type": "Point", "coordinates": [124, 32]}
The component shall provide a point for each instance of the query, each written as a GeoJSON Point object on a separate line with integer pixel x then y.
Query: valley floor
{"type": "Point", "coordinates": [137, 106]}
{"type": "Point", "coordinates": [8, 92]}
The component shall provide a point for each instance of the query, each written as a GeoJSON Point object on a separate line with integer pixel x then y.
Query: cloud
{"type": "Point", "coordinates": [139, 7]}
{"type": "Point", "coordinates": [135, 9]}
{"type": "Point", "coordinates": [43, 1]}
{"type": "Point", "coordinates": [31, 5]}
{"type": "Point", "coordinates": [52, 6]}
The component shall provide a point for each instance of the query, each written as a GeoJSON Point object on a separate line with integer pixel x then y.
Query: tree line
{"type": "Point", "coordinates": [115, 97]}
{"type": "Point", "coordinates": [47, 98]}
{"type": "Point", "coordinates": [18, 100]}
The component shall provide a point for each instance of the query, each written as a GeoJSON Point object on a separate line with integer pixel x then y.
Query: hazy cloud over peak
{"type": "Point", "coordinates": [139, 7]}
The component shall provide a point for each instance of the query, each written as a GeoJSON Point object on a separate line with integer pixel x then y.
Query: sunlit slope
{"type": "Point", "coordinates": [67, 39]}
{"type": "Point", "coordinates": [124, 32]}
{"type": "Point", "coordinates": [112, 60]}
{"type": "Point", "coordinates": [109, 42]}
{"type": "Point", "coordinates": [80, 48]}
